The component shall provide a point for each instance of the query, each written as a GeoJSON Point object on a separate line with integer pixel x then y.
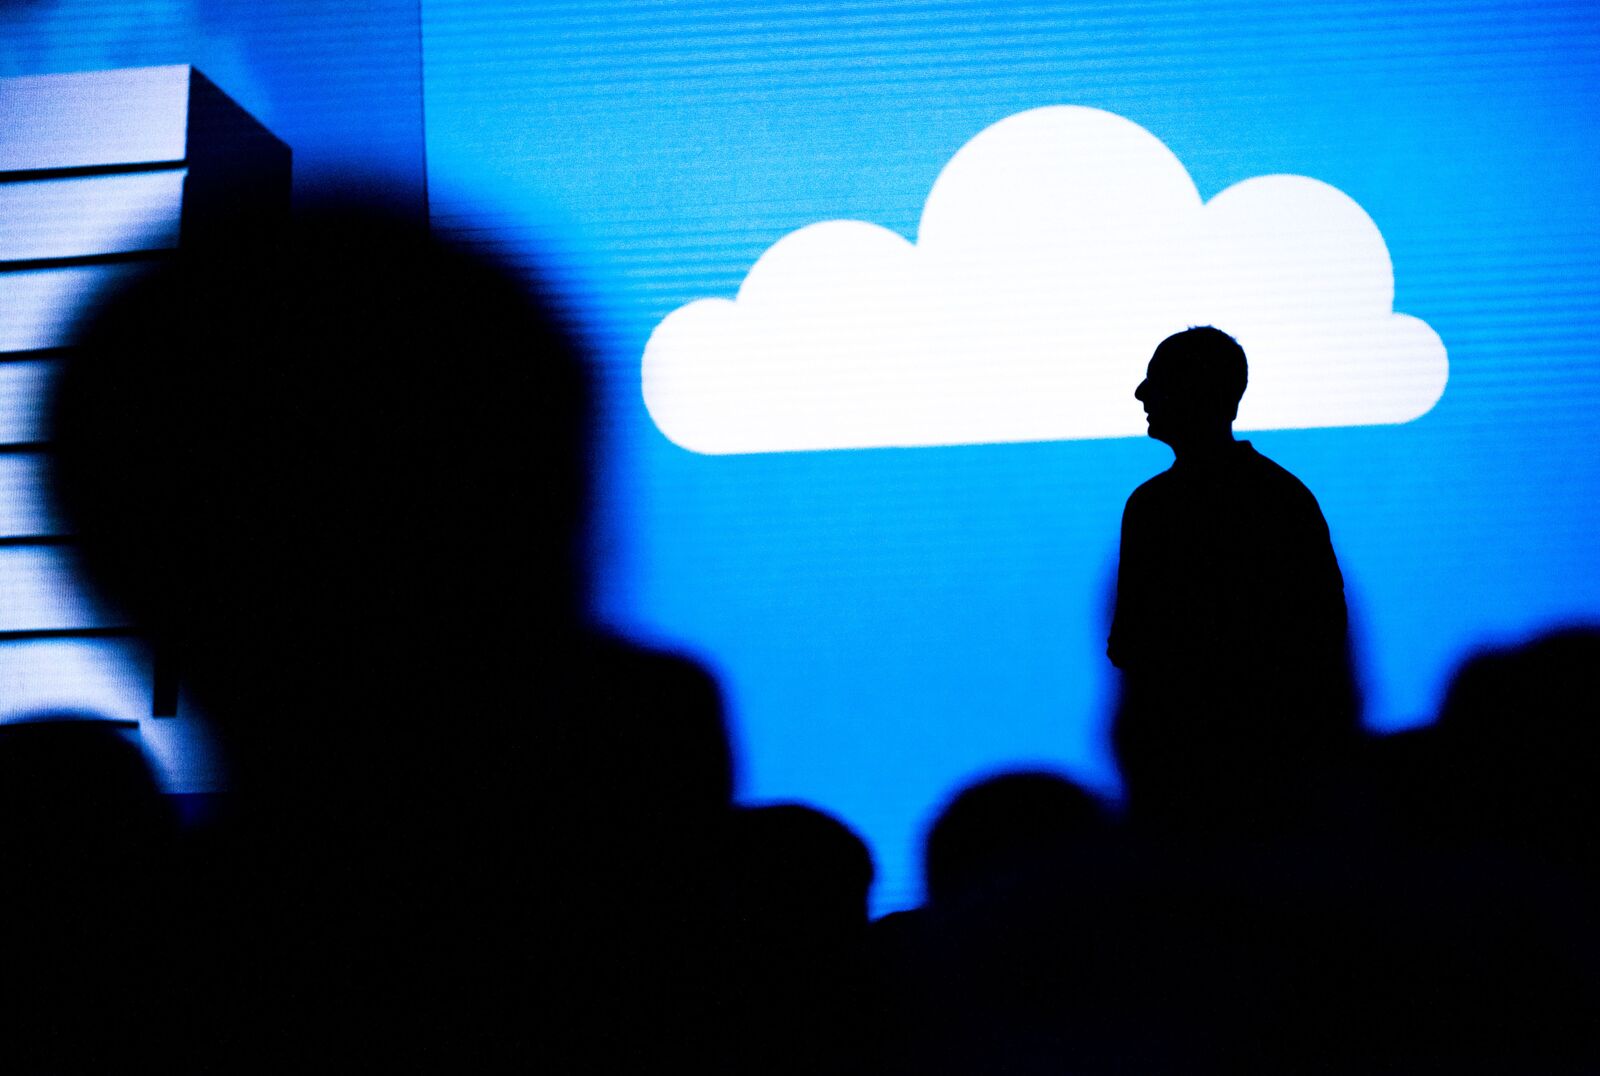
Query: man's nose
{"type": "Point", "coordinates": [1138, 393]}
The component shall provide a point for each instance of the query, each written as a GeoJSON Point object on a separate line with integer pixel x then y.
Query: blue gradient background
{"type": "Point", "coordinates": [889, 624]}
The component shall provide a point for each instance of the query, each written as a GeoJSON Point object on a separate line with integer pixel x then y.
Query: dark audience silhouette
{"type": "Point", "coordinates": [800, 881]}
{"type": "Point", "coordinates": [90, 911]}
{"type": "Point", "coordinates": [338, 471]}
{"type": "Point", "coordinates": [1516, 753]}
{"type": "Point", "coordinates": [993, 833]}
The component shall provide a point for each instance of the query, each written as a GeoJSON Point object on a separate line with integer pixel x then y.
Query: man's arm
{"type": "Point", "coordinates": [1122, 645]}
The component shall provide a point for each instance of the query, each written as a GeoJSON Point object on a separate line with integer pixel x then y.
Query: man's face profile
{"type": "Point", "coordinates": [1187, 399]}
{"type": "Point", "coordinates": [1163, 397]}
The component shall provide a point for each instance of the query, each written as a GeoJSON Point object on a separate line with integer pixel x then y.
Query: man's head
{"type": "Point", "coordinates": [341, 448]}
{"type": "Point", "coordinates": [1193, 385]}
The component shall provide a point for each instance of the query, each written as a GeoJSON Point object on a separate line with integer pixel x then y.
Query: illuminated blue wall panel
{"type": "Point", "coordinates": [890, 622]}
{"type": "Point", "coordinates": [338, 80]}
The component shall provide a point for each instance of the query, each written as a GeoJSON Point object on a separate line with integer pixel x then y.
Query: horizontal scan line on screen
{"type": "Point", "coordinates": [73, 261]}
{"type": "Point", "coordinates": [81, 171]}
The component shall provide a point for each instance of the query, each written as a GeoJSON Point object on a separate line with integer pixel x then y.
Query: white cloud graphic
{"type": "Point", "coordinates": [1056, 249]}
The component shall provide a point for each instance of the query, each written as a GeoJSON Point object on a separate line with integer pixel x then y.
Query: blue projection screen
{"type": "Point", "coordinates": [874, 284]}
{"type": "Point", "coordinates": [870, 287]}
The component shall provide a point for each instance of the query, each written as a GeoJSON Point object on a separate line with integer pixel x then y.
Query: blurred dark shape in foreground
{"type": "Point", "coordinates": [1424, 906]}
{"type": "Point", "coordinates": [799, 883]}
{"type": "Point", "coordinates": [1510, 767]}
{"type": "Point", "coordinates": [340, 470]}
{"type": "Point", "coordinates": [993, 833]}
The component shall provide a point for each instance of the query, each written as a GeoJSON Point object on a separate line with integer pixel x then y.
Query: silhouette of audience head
{"type": "Point", "coordinates": [1003, 829]}
{"type": "Point", "coordinates": [339, 468]}
{"type": "Point", "coordinates": [1193, 385]}
{"type": "Point", "coordinates": [1516, 748]}
{"type": "Point", "coordinates": [802, 865]}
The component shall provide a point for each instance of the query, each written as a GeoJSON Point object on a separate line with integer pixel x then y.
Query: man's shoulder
{"type": "Point", "coordinates": [1272, 475]}
{"type": "Point", "coordinates": [1152, 491]}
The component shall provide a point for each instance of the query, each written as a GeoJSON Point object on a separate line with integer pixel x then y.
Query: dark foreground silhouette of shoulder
{"type": "Point", "coordinates": [342, 472]}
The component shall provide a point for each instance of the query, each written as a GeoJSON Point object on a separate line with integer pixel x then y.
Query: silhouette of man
{"type": "Point", "coordinates": [1230, 621]}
